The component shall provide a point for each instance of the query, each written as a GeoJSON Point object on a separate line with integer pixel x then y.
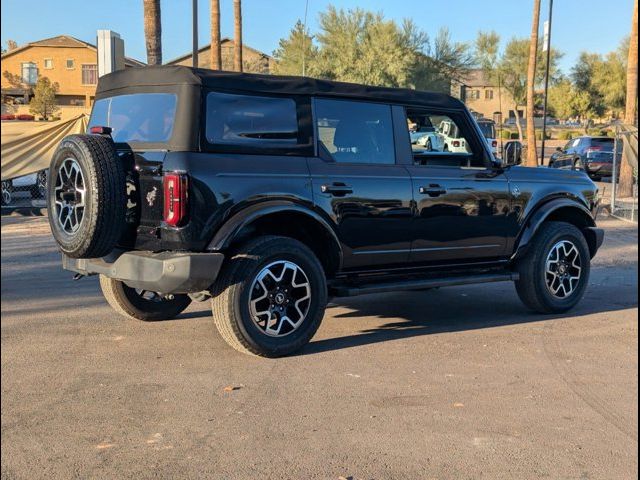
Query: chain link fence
{"type": "Point", "coordinates": [624, 191]}
{"type": "Point", "coordinates": [25, 191]}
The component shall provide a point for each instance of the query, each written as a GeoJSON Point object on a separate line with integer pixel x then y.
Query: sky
{"type": "Point", "coordinates": [578, 25]}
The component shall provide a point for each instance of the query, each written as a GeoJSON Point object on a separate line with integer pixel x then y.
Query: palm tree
{"type": "Point", "coordinates": [216, 52]}
{"type": "Point", "coordinates": [532, 154]}
{"type": "Point", "coordinates": [630, 116]}
{"type": "Point", "coordinates": [625, 188]}
{"type": "Point", "coordinates": [237, 39]}
{"type": "Point", "coordinates": [152, 31]}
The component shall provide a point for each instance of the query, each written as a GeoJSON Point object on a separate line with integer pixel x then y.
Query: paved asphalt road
{"type": "Point", "coordinates": [459, 383]}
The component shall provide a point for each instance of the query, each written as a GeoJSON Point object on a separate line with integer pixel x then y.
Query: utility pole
{"type": "Point", "coordinates": [194, 30]}
{"type": "Point", "coordinates": [546, 47]}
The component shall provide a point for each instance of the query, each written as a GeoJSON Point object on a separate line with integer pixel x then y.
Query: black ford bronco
{"type": "Point", "coordinates": [269, 194]}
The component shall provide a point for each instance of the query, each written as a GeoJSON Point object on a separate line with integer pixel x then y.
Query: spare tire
{"type": "Point", "coordinates": [86, 196]}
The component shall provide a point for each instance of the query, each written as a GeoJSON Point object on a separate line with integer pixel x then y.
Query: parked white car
{"type": "Point", "coordinates": [430, 139]}
{"type": "Point", "coordinates": [453, 141]}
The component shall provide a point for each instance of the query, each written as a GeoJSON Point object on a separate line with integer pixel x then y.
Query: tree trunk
{"type": "Point", "coordinates": [532, 151]}
{"type": "Point", "coordinates": [216, 52]}
{"type": "Point", "coordinates": [518, 125]}
{"type": "Point", "coordinates": [237, 39]}
{"type": "Point", "coordinates": [625, 188]}
{"type": "Point", "coordinates": [153, 31]}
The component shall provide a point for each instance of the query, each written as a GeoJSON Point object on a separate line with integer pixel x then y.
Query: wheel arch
{"type": "Point", "coordinates": [286, 219]}
{"type": "Point", "coordinates": [558, 210]}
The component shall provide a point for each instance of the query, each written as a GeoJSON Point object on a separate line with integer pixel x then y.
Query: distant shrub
{"type": "Point", "coordinates": [539, 135]}
{"type": "Point", "coordinates": [505, 134]}
{"type": "Point", "coordinates": [514, 136]}
{"type": "Point", "coordinates": [565, 135]}
{"type": "Point", "coordinates": [7, 116]}
{"type": "Point", "coordinates": [26, 117]}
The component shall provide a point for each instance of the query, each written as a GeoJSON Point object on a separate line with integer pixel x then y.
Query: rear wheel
{"type": "Point", "coordinates": [554, 273]}
{"type": "Point", "coordinates": [142, 304]}
{"type": "Point", "coordinates": [270, 297]}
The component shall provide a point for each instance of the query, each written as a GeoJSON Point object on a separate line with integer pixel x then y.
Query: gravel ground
{"type": "Point", "coordinates": [458, 383]}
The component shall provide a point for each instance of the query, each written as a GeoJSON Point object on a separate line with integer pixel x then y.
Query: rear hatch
{"type": "Point", "coordinates": [142, 126]}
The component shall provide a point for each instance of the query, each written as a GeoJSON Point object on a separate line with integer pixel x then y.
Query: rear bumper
{"type": "Point", "coordinates": [165, 272]}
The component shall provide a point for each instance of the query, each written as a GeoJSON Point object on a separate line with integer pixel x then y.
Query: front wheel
{"type": "Point", "coordinates": [142, 304]}
{"type": "Point", "coordinates": [270, 298]}
{"type": "Point", "coordinates": [554, 273]}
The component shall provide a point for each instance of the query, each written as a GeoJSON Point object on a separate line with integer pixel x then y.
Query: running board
{"type": "Point", "coordinates": [346, 290]}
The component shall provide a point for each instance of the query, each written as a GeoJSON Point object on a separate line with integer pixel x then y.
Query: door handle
{"type": "Point", "coordinates": [336, 189]}
{"type": "Point", "coordinates": [433, 190]}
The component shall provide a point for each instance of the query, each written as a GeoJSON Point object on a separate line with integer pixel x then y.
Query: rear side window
{"type": "Point", "coordinates": [355, 132]}
{"type": "Point", "coordinates": [252, 121]}
{"type": "Point", "coordinates": [140, 117]}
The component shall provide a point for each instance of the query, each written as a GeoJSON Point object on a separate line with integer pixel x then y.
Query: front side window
{"type": "Point", "coordinates": [29, 73]}
{"type": "Point", "coordinates": [355, 132]}
{"type": "Point", "coordinates": [446, 145]}
{"type": "Point", "coordinates": [89, 74]}
{"type": "Point", "coordinates": [251, 121]}
{"type": "Point", "coordinates": [140, 117]}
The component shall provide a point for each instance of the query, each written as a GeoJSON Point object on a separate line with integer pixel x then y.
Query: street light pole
{"type": "Point", "coordinates": [547, 45]}
{"type": "Point", "coordinates": [194, 30]}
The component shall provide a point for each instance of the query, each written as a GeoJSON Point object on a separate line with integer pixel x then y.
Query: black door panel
{"type": "Point", "coordinates": [371, 208]}
{"type": "Point", "coordinates": [460, 214]}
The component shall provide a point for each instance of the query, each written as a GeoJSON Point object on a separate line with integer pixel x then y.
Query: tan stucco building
{"type": "Point", "coordinates": [253, 61]}
{"type": "Point", "coordinates": [65, 60]}
{"type": "Point", "coordinates": [485, 98]}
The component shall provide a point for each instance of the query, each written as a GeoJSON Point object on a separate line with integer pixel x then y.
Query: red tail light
{"type": "Point", "coordinates": [100, 130]}
{"type": "Point", "coordinates": [455, 143]}
{"type": "Point", "coordinates": [494, 143]}
{"type": "Point", "coordinates": [593, 149]}
{"type": "Point", "coordinates": [176, 198]}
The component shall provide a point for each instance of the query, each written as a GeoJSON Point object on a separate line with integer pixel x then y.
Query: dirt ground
{"type": "Point", "coordinates": [458, 383]}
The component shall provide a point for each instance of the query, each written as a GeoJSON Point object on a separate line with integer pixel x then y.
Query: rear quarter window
{"type": "Point", "coordinates": [251, 122]}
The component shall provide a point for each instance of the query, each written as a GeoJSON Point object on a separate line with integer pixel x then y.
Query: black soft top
{"type": "Point", "coordinates": [158, 76]}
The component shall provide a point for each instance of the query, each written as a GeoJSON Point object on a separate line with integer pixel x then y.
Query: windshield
{"type": "Point", "coordinates": [487, 129]}
{"type": "Point", "coordinates": [140, 117]}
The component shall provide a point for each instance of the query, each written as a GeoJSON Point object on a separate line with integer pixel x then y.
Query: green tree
{"type": "Point", "coordinates": [443, 61]}
{"type": "Point", "coordinates": [610, 79]}
{"type": "Point", "coordinates": [296, 54]}
{"type": "Point", "coordinates": [363, 47]}
{"type": "Point", "coordinates": [43, 103]}
{"type": "Point", "coordinates": [582, 75]}
{"type": "Point", "coordinates": [508, 68]}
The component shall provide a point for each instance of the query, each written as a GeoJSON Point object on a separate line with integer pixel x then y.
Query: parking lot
{"type": "Point", "coordinates": [458, 383]}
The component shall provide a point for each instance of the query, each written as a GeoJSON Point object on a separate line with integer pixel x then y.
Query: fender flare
{"type": "Point", "coordinates": [232, 226]}
{"type": "Point", "coordinates": [538, 216]}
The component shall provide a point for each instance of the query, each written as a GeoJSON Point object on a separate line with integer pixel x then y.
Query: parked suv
{"type": "Point", "coordinates": [267, 195]}
{"type": "Point", "coordinates": [591, 154]}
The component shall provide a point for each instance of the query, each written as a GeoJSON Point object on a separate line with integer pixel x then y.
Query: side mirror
{"type": "Point", "coordinates": [558, 149]}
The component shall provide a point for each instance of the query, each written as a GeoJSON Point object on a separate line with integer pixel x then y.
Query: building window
{"type": "Point", "coordinates": [48, 63]}
{"type": "Point", "coordinates": [89, 74]}
{"type": "Point", "coordinates": [71, 64]}
{"type": "Point", "coordinates": [474, 94]}
{"type": "Point", "coordinates": [29, 73]}
{"type": "Point", "coordinates": [488, 94]}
